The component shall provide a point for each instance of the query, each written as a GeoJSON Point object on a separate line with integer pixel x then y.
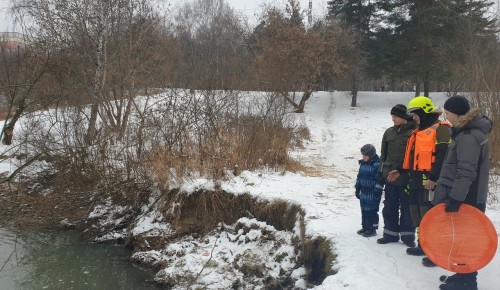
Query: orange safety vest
{"type": "Point", "coordinates": [423, 145]}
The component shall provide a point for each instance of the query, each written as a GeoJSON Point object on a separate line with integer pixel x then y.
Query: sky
{"type": "Point", "coordinates": [331, 209]}
{"type": "Point", "coordinates": [252, 9]}
{"type": "Point", "coordinates": [5, 19]}
{"type": "Point", "coordinates": [249, 8]}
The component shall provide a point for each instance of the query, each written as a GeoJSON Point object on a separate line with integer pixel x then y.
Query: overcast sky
{"type": "Point", "coordinates": [5, 21]}
{"type": "Point", "coordinates": [254, 8]}
{"type": "Point", "coordinates": [249, 8]}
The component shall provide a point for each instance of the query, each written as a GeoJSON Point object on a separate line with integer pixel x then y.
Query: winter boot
{"type": "Point", "coordinates": [410, 244]}
{"type": "Point", "coordinates": [460, 282]}
{"type": "Point", "coordinates": [458, 286]}
{"type": "Point", "coordinates": [369, 233]}
{"type": "Point", "coordinates": [448, 279]}
{"type": "Point", "coordinates": [361, 231]}
{"type": "Point", "coordinates": [415, 251]}
{"type": "Point", "coordinates": [386, 239]}
{"type": "Point", "coordinates": [427, 262]}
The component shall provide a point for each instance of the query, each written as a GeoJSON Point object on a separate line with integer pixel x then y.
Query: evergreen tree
{"type": "Point", "coordinates": [422, 41]}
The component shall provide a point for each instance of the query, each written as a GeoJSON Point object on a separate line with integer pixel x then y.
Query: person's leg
{"type": "Point", "coordinates": [371, 204]}
{"type": "Point", "coordinates": [390, 213]}
{"type": "Point", "coordinates": [363, 219]}
{"type": "Point", "coordinates": [372, 223]}
{"type": "Point", "coordinates": [407, 229]}
{"type": "Point", "coordinates": [416, 197]}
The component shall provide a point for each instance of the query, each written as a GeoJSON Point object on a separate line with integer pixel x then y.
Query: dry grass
{"type": "Point", "coordinates": [202, 211]}
{"type": "Point", "coordinates": [318, 259]}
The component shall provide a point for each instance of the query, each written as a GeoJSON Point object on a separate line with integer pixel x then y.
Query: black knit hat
{"type": "Point", "coordinates": [457, 105]}
{"type": "Point", "coordinates": [368, 150]}
{"type": "Point", "coordinates": [399, 111]}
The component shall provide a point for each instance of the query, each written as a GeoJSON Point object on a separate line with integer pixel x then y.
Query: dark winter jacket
{"type": "Point", "coordinates": [465, 172]}
{"type": "Point", "coordinates": [366, 181]}
{"type": "Point", "coordinates": [393, 151]}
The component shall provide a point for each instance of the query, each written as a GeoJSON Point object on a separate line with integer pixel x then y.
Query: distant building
{"type": "Point", "coordinates": [12, 40]}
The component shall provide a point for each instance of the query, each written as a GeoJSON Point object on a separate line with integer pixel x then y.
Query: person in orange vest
{"type": "Point", "coordinates": [424, 156]}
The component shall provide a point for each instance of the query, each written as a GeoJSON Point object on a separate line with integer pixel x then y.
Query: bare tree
{"type": "Point", "coordinates": [21, 70]}
{"type": "Point", "coordinates": [212, 43]}
{"type": "Point", "coordinates": [292, 58]}
{"type": "Point", "coordinates": [103, 49]}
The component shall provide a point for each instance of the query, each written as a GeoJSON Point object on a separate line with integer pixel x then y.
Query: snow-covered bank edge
{"type": "Point", "coordinates": [218, 239]}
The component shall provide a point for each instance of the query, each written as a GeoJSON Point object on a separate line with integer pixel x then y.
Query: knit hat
{"type": "Point", "coordinates": [399, 111]}
{"type": "Point", "coordinates": [368, 150]}
{"type": "Point", "coordinates": [457, 105]}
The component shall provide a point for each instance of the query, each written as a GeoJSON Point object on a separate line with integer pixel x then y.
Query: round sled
{"type": "Point", "coordinates": [461, 242]}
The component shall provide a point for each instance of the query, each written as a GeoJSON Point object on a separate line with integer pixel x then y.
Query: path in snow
{"type": "Point", "coordinates": [337, 133]}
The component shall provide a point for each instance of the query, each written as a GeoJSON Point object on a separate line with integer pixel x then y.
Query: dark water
{"type": "Point", "coordinates": [62, 260]}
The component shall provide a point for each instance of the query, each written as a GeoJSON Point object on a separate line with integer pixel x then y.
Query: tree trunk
{"type": "Point", "coordinates": [354, 91]}
{"type": "Point", "coordinates": [426, 84]}
{"type": "Point", "coordinates": [91, 130]}
{"type": "Point", "coordinates": [8, 130]}
{"type": "Point", "coordinates": [307, 94]}
{"type": "Point", "coordinates": [289, 100]}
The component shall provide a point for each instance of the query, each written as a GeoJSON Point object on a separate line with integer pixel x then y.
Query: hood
{"type": "Point", "coordinates": [473, 120]}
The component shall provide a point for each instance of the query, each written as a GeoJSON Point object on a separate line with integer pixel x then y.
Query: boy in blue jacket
{"type": "Point", "coordinates": [368, 191]}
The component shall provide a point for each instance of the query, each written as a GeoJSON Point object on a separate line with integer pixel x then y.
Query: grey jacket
{"type": "Point", "coordinates": [465, 172]}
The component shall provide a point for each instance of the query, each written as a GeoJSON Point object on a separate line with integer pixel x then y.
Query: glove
{"type": "Point", "coordinates": [357, 193]}
{"type": "Point", "coordinates": [452, 205]}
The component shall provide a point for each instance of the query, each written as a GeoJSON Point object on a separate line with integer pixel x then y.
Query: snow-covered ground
{"type": "Point", "coordinates": [338, 132]}
{"type": "Point", "coordinates": [332, 211]}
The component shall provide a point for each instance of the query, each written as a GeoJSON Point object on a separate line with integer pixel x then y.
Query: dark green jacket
{"type": "Point", "coordinates": [393, 151]}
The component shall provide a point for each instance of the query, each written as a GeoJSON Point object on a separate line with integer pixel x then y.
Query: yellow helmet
{"type": "Point", "coordinates": [421, 102]}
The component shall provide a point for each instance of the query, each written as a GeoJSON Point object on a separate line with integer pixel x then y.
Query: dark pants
{"type": "Point", "coordinates": [419, 198]}
{"type": "Point", "coordinates": [396, 212]}
{"type": "Point", "coordinates": [370, 203]}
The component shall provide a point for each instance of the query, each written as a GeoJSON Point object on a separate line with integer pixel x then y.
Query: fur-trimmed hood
{"type": "Point", "coordinates": [473, 120]}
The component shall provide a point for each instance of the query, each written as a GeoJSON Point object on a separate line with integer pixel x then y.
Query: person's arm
{"type": "Point", "coordinates": [468, 150]}
{"type": "Point", "coordinates": [443, 138]}
{"type": "Point", "coordinates": [383, 157]}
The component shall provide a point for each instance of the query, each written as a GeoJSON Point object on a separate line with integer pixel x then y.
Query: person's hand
{"type": "Point", "coordinates": [452, 205]}
{"type": "Point", "coordinates": [393, 175]}
{"type": "Point", "coordinates": [429, 185]}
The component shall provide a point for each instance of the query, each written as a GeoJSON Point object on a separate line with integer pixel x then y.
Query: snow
{"type": "Point", "coordinates": [331, 209]}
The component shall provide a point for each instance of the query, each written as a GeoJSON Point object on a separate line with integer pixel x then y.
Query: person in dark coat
{"type": "Point", "coordinates": [396, 211]}
{"type": "Point", "coordinates": [368, 191]}
{"type": "Point", "coordinates": [464, 175]}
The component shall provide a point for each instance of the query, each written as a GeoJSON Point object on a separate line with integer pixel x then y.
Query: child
{"type": "Point", "coordinates": [368, 191]}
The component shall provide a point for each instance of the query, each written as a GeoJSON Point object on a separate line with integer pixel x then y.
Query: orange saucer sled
{"type": "Point", "coordinates": [461, 242]}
